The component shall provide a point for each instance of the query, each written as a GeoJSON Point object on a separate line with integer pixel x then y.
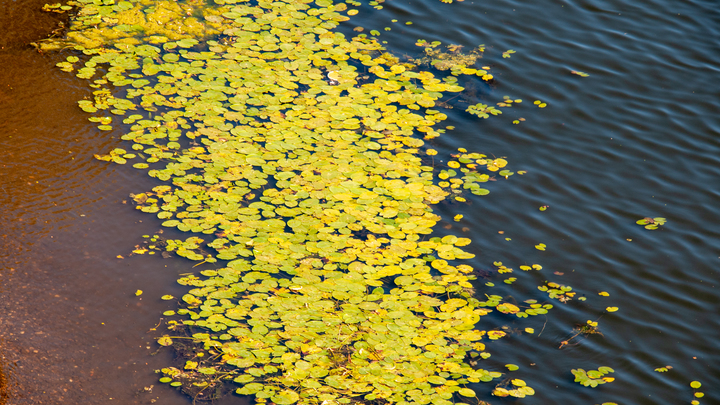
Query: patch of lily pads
{"type": "Point", "coordinates": [292, 154]}
{"type": "Point", "coordinates": [593, 378]}
{"type": "Point", "coordinates": [651, 223]}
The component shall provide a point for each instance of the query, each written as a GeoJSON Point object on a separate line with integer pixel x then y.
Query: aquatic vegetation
{"type": "Point", "coordinates": [56, 8]}
{"type": "Point", "coordinates": [589, 328]}
{"type": "Point", "coordinates": [695, 385]}
{"type": "Point", "coordinates": [514, 388]}
{"type": "Point", "coordinates": [483, 110]}
{"type": "Point", "coordinates": [452, 59]}
{"type": "Point", "coordinates": [593, 378]}
{"type": "Point", "coordinates": [293, 155]}
{"type": "Point", "coordinates": [562, 293]}
{"type": "Point", "coordinates": [651, 223]}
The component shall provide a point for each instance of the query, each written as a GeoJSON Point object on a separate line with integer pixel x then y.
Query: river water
{"type": "Point", "coordinates": [638, 137]}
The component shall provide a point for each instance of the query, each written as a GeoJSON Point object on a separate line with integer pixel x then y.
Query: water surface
{"type": "Point", "coordinates": [638, 137]}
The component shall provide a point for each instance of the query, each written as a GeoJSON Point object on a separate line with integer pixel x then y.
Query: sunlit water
{"type": "Point", "coordinates": [638, 137]}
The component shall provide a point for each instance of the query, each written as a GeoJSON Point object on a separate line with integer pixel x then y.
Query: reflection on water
{"type": "Point", "coordinates": [638, 137]}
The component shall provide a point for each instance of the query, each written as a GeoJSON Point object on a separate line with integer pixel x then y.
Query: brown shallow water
{"type": "Point", "coordinates": [65, 333]}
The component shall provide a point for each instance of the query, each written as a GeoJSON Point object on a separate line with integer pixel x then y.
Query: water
{"type": "Point", "coordinates": [638, 137]}
{"type": "Point", "coordinates": [71, 329]}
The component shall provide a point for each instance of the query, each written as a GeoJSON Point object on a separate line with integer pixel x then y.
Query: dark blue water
{"type": "Point", "coordinates": [638, 137]}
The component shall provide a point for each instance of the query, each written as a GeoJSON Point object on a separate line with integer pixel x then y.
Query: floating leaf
{"type": "Point", "coordinates": [285, 397]}
{"type": "Point", "coordinates": [466, 392]}
{"type": "Point", "coordinates": [165, 341]}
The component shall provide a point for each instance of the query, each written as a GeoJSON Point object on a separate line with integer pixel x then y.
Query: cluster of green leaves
{"type": "Point", "coordinates": [531, 309]}
{"type": "Point", "coordinates": [452, 59]}
{"type": "Point", "coordinates": [117, 155]}
{"type": "Point", "coordinates": [57, 8]}
{"type": "Point", "coordinates": [514, 388]}
{"type": "Point", "coordinates": [461, 173]}
{"type": "Point", "coordinates": [563, 293]}
{"type": "Point", "coordinates": [593, 378]}
{"type": "Point", "coordinates": [651, 223]}
{"type": "Point", "coordinates": [108, 22]}
{"type": "Point", "coordinates": [293, 153]}
{"type": "Point", "coordinates": [483, 110]}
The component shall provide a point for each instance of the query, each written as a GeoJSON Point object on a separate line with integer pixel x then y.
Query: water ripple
{"type": "Point", "coordinates": [638, 137]}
